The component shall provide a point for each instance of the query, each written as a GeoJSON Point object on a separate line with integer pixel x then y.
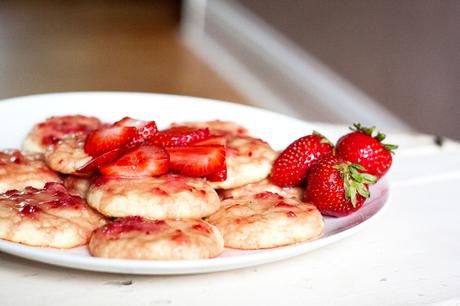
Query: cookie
{"type": "Point", "coordinates": [48, 217]}
{"type": "Point", "coordinates": [266, 220]}
{"type": "Point", "coordinates": [262, 186]}
{"type": "Point", "coordinates": [68, 155]}
{"type": "Point", "coordinates": [19, 170]}
{"type": "Point", "coordinates": [135, 237]}
{"type": "Point", "coordinates": [162, 197]}
{"type": "Point", "coordinates": [53, 129]}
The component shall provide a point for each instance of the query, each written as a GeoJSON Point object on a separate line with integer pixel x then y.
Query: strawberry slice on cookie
{"type": "Point", "coordinates": [102, 160]}
{"type": "Point", "coordinates": [180, 136]}
{"type": "Point", "coordinates": [215, 140]}
{"type": "Point", "coordinates": [197, 161]}
{"type": "Point", "coordinates": [143, 161]}
{"type": "Point", "coordinates": [106, 139]}
{"type": "Point", "coordinates": [145, 130]}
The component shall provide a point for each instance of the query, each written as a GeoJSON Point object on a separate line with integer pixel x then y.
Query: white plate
{"type": "Point", "coordinates": [18, 115]}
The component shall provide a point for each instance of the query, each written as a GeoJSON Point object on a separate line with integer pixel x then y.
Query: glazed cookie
{"type": "Point", "coordinates": [53, 129]}
{"type": "Point", "coordinates": [266, 220]}
{"type": "Point", "coordinates": [48, 217]}
{"type": "Point", "coordinates": [18, 170]}
{"type": "Point", "coordinates": [263, 186]}
{"type": "Point", "coordinates": [137, 238]}
{"type": "Point", "coordinates": [68, 155]}
{"type": "Point", "coordinates": [248, 160]}
{"type": "Point", "coordinates": [163, 197]}
{"type": "Point", "coordinates": [78, 185]}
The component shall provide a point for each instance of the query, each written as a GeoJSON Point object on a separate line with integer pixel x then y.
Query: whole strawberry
{"type": "Point", "coordinates": [336, 187]}
{"type": "Point", "coordinates": [362, 148]}
{"type": "Point", "coordinates": [291, 166]}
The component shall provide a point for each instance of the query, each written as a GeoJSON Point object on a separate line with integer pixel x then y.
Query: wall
{"type": "Point", "coordinates": [405, 54]}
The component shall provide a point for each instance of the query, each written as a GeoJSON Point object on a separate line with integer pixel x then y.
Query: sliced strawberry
{"type": "Point", "coordinates": [128, 121]}
{"type": "Point", "coordinates": [196, 161]}
{"type": "Point", "coordinates": [220, 175]}
{"type": "Point", "coordinates": [180, 136]}
{"type": "Point", "coordinates": [102, 160]}
{"type": "Point", "coordinates": [143, 161]}
{"type": "Point", "coordinates": [145, 130]}
{"type": "Point", "coordinates": [103, 140]}
{"type": "Point", "coordinates": [212, 140]}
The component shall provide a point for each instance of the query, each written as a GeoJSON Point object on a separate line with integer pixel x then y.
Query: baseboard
{"type": "Point", "coordinates": [272, 71]}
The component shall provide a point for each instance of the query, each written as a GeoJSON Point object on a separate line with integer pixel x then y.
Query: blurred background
{"type": "Point", "coordinates": [392, 63]}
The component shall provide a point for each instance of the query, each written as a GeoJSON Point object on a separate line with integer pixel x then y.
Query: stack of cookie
{"type": "Point", "coordinates": [125, 203]}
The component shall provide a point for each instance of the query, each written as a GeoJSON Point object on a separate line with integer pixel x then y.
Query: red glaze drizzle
{"type": "Point", "coordinates": [133, 223]}
{"type": "Point", "coordinates": [8, 157]}
{"type": "Point", "coordinates": [10, 193]}
{"type": "Point", "coordinates": [199, 227]}
{"type": "Point", "coordinates": [268, 195]}
{"type": "Point", "coordinates": [159, 192]}
{"type": "Point", "coordinates": [291, 214]}
{"type": "Point", "coordinates": [16, 157]}
{"type": "Point", "coordinates": [63, 197]}
{"type": "Point", "coordinates": [179, 237]}
{"type": "Point", "coordinates": [202, 192]}
{"type": "Point", "coordinates": [31, 200]}
{"type": "Point", "coordinates": [29, 211]}
{"type": "Point", "coordinates": [175, 184]}
{"type": "Point", "coordinates": [56, 127]}
{"type": "Point", "coordinates": [50, 140]}
{"type": "Point", "coordinates": [283, 204]}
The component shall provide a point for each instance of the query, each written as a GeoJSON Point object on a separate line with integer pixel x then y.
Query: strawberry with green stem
{"type": "Point", "coordinates": [337, 187]}
{"type": "Point", "coordinates": [292, 165]}
{"type": "Point", "coordinates": [361, 147]}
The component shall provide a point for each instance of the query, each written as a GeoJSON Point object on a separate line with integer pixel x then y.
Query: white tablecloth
{"type": "Point", "coordinates": [409, 256]}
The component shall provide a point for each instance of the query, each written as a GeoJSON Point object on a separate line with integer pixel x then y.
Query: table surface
{"type": "Point", "coordinates": [409, 256]}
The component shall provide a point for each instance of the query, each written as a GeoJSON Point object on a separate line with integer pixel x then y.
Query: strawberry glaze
{"type": "Point", "coordinates": [14, 156]}
{"type": "Point", "coordinates": [29, 211]}
{"type": "Point", "coordinates": [54, 128]}
{"type": "Point", "coordinates": [284, 204]}
{"type": "Point", "coordinates": [53, 195]}
{"type": "Point", "coordinates": [176, 183]}
{"type": "Point", "coordinates": [268, 195]}
{"type": "Point", "coordinates": [291, 214]}
{"type": "Point", "coordinates": [180, 237]}
{"type": "Point", "coordinates": [159, 192]}
{"type": "Point", "coordinates": [201, 228]}
{"type": "Point", "coordinates": [133, 223]}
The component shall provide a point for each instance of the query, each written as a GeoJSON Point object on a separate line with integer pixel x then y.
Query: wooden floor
{"type": "Point", "coordinates": [48, 46]}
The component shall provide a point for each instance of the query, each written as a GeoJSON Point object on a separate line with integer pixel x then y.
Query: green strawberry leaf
{"type": "Point", "coordinates": [379, 137]}
{"type": "Point", "coordinates": [363, 191]}
{"type": "Point", "coordinates": [354, 181]}
{"type": "Point", "coordinates": [353, 194]}
{"type": "Point", "coordinates": [324, 139]}
{"type": "Point", "coordinates": [359, 167]}
{"type": "Point", "coordinates": [390, 147]}
{"type": "Point", "coordinates": [357, 127]}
